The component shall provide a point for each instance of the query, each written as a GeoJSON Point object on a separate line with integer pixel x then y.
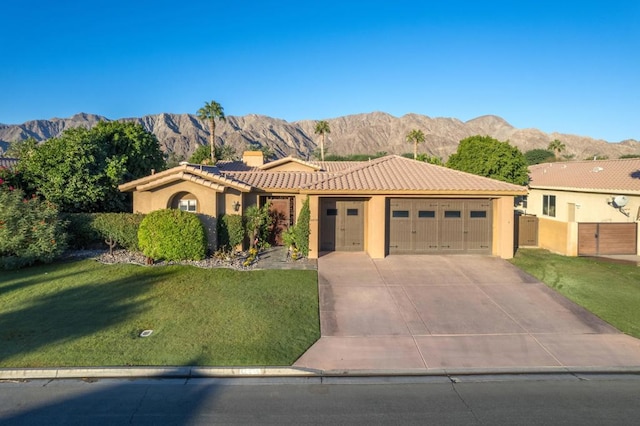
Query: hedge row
{"type": "Point", "coordinates": [93, 230]}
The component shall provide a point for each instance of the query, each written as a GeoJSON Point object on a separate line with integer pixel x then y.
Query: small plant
{"type": "Point", "coordinates": [258, 222]}
{"type": "Point", "coordinates": [172, 235]}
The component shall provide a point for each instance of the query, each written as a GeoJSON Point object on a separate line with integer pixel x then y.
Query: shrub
{"type": "Point", "coordinates": [230, 231]}
{"type": "Point", "coordinates": [80, 231]}
{"type": "Point", "coordinates": [119, 228]}
{"type": "Point", "coordinates": [30, 230]}
{"type": "Point", "coordinates": [91, 230]}
{"type": "Point", "coordinates": [302, 229]}
{"type": "Point", "coordinates": [172, 235]}
{"type": "Point", "coordinates": [258, 223]}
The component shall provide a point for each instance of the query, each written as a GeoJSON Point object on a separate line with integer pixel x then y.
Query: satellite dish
{"type": "Point", "coordinates": [620, 201]}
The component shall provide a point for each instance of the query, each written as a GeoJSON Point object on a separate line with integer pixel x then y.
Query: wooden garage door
{"type": "Point", "coordinates": [596, 239]}
{"type": "Point", "coordinates": [342, 225]}
{"type": "Point", "coordinates": [439, 226]}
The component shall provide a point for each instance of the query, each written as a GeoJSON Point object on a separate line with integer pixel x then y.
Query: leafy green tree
{"type": "Point", "coordinates": [629, 156]}
{"type": "Point", "coordinates": [201, 155]}
{"type": "Point", "coordinates": [537, 156]}
{"type": "Point", "coordinates": [322, 128]}
{"type": "Point", "coordinates": [209, 112]}
{"type": "Point", "coordinates": [227, 153]}
{"type": "Point", "coordinates": [485, 156]}
{"type": "Point", "coordinates": [557, 147]}
{"type": "Point", "coordinates": [415, 137]}
{"type": "Point", "coordinates": [30, 230]}
{"type": "Point", "coordinates": [81, 169]}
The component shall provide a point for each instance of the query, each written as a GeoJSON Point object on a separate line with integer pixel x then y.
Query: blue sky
{"type": "Point", "coordinates": [567, 66]}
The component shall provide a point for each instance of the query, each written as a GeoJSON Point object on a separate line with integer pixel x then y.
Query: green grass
{"type": "Point", "coordinates": [609, 290]}
{"type": "Point", "coordinates": [84, 313]}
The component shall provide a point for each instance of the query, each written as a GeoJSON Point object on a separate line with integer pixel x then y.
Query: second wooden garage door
{"type": "Point", "coordinates": [439, 226]}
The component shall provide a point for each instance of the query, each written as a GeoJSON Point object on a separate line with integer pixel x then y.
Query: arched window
{"type": "Point", "coordinates": [185, 201]}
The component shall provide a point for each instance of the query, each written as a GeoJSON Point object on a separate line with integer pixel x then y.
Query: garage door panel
{"type": "Point", "coordinates": [452, 226]}
{"type": "Point", "coordinates": [439, 226]}
{"type": "Point", "coordinates": [342, 225]}
{"type": "Point", "coordinates": [352, 226]}
{"type": "Point", "coordinates": [426, 227]}
{"type": "Point", "coordinates": [479, 220]}
{"type": "Point", "coordinates": [400, 226]}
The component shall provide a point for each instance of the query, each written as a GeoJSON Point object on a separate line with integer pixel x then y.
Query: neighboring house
{"type": "Point", "coordinates": [8, 163]}
{"type": "Point", "coordinates": [586, 207]}
{"type": "Point", "coordinates": [389, 205]}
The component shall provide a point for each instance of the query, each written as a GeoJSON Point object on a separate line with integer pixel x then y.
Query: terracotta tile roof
{"type": "Point", "coordinates": [286, 160]}
{"type": "Point", "coordinates": [205, 175]}
{"type": "Point", "coordinates": [621, 175]}
{"type": "Point", "coordinates": [395, 173]}
{"type": "Point", "coordinates": [387, 174]}
{"type": "Point", "coordinates": [7, 162]}
{"type": "Point", "coordinates": [326, 166]}
{"type": "Point", "coordinates": [278, 180]}
{"type": "Point", "coordinates": [337, 166]}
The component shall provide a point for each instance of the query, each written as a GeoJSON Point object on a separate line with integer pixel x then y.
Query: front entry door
{"type": "Point", "coordinates": [280, 210]}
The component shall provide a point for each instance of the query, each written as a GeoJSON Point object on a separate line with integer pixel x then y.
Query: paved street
{"type": "Point", "coordinates": [474, 400]}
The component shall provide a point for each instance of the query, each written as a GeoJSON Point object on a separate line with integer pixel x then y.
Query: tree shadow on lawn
{"type": "Point", "coordinates": [75, 312]}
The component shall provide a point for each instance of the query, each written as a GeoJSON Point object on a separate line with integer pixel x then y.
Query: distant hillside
{"type": "Point", "coordinates": [353, 134]}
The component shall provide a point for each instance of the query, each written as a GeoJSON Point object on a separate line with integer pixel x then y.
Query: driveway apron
{"type": "Point", "coordinates": [433, 313]}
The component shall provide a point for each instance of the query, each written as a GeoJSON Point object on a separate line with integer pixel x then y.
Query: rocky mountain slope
{"type": "Point", "coordinates": [354, 134]}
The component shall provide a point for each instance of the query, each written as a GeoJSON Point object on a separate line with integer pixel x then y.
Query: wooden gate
{"type": "Point", "coordinates": [527, 232]}
{"type": "Point", "coordinates": [597, 239]}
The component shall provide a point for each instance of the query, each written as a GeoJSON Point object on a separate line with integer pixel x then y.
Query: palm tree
{"type": "Point", "coordinates": [415, 136]}
{"type": "Point", "coordinates": [209, 112]}
{"type": "Point", "coordinates": [557, 147]}
{"type": "Point", "coordinates": [322, 127]}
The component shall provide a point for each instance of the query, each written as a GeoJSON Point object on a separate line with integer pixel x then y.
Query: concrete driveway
{"type": "Point", "coordinates": [435, 313]}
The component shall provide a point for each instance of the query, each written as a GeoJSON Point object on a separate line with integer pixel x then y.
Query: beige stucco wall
{"type": "Point", "coordinates": [560, 233]}
{"type": "Point", "coordinates": [375, 220]}
{"type": "Point", "coordinates": [558, 237]}
{"type": "Point", "coordinates": [160, 198]}
{"type": "Point", "coordinates": [589, 207]}
{"type": "Point", "coordinates": [503, 236]}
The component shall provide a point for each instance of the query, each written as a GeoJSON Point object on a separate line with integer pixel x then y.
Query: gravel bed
{"type": "Point", "coordinates": [125, 256]}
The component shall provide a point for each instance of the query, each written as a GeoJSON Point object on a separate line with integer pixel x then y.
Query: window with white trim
{"type": "Point", "coordinates": [188, 205]}
{"type": "Point", "coordinates": [549, 205]}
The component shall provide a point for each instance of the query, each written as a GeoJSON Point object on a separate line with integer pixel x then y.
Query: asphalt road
{"type": "Point", "coordinates": [468, 400]}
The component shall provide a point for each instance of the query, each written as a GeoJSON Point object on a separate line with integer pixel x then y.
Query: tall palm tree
{"type": "Point", "coordinates": [322, 127]}
{"type": "Point", "coordinates": [209, 112]}
{"type": "Point", "coordinates": [415, 136]}
{"type": "Point", "coordinates": [557, 147]}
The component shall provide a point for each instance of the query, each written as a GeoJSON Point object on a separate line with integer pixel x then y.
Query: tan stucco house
{"type": "Point", "coordinates": [586, 207]}
{"type": "Point", "coordinates": [389, 205]}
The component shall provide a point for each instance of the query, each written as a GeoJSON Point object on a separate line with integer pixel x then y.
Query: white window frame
{"type": "Point", "coordinates": [549, 204]}
{"type": "Point", "coordinates": [190, 206]}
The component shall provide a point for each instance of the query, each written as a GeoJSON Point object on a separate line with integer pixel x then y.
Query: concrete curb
{"type": "Point", "coordinates": [292, 372]}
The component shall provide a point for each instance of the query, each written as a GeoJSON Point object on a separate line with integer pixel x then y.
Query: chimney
{"type": "Point", "coordinates": [253, 158]}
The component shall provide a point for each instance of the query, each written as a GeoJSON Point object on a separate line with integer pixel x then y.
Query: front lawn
{"type": "Point", "coordinates": [609, 290]}
{"type": "Point", "coordinates": [84, 313]}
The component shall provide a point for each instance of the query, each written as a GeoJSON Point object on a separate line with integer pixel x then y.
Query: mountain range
{"type": "Point", "coordinates": [367, 133]}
